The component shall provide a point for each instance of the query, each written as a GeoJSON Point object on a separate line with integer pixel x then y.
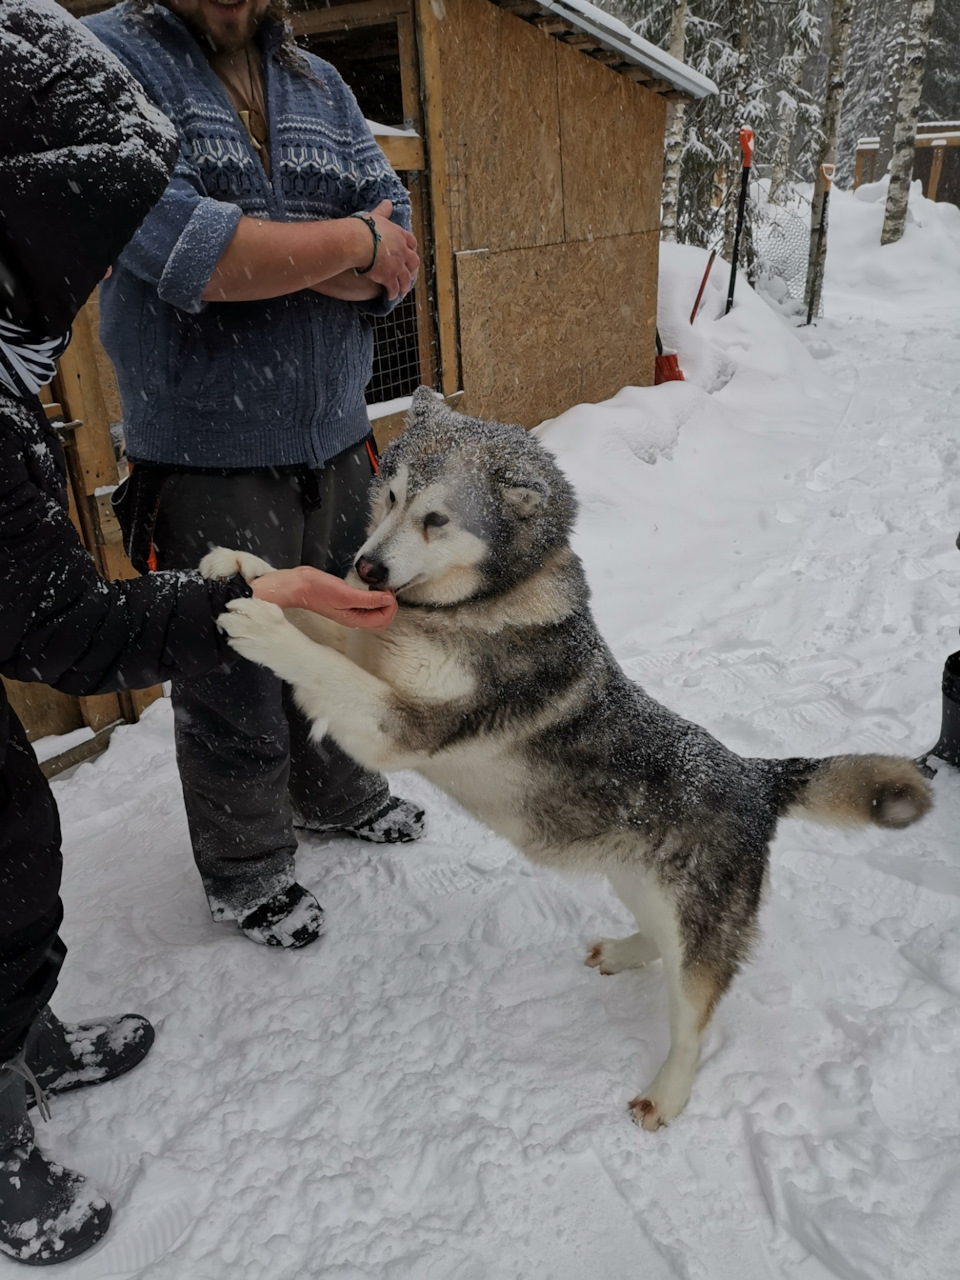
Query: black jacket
{"type": "Point", "coordinates": [60, 622]}
{"type": "Point", "coordinates": [83, 157]}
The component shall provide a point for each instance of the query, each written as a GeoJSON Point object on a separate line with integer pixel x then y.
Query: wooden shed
{"type": "Point", "coordinates": [530, 136]}
{"type": "Point", "coordinates": [532, 145]}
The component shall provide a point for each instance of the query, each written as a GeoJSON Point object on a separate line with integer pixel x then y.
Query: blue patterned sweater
{"type": "Point", "coordinates": [239, 384]}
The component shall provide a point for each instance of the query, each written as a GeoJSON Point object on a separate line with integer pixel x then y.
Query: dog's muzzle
{"type": "Point", "coordinates": [373, 572]}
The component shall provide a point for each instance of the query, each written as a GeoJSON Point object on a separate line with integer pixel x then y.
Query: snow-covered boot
{"type": "Point", "coordinates": [948, 744]}
{"type": "Point", "coordinates": [65, 1056]}
{"type": "Point", "coordinates": [47, 1213]}
{"type": "Point", "coordinates": [397, 821]}
{"type": "Point", "coordinates": [291, 917]}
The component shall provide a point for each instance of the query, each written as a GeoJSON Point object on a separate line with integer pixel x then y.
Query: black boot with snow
{"type": "Point", "coordinates": [948, 744]}
{"type": "Point", "coordinates": [290, 918]}
{"type": "Point", "coordinates": [47, 1213]}
{"type": "Point", "coordinates": [398, 821]}
{"type": "Point", "coordinates": [65, 1056]}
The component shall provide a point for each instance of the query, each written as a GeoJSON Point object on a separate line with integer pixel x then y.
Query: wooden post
{"type": "Point", "coordinates": [92, 467]}
{"type": "Point", "coordinates": [936, 164]}
{"type": "Point", "coordinates": [866, 161]}
{"type": "Point", "coordinates": [429, 16]}
{"type": "Point", "coordinates": [413, 117]}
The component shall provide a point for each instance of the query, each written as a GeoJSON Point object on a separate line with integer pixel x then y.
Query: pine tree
{"type": "Point", "coordinates": [874, 61]}
{"type": "Point", "coordinates": [941, 85]}
{"type": "Point", "coordinates": [740, 46]}
{"type": "Point", "coordinates": [794, 103]}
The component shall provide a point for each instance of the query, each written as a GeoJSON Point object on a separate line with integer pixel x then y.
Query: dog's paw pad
{"type": "Point", "coordinates": [221, 562]}
{"type": "Point", "coordinates": [598, 957]}
{"type": "Point", "coordinates": [614, 955]}
{"type": "Point", "coordinates": [646, 1114]}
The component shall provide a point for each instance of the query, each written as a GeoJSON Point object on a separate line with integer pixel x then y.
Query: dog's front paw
{"type": "Point", "coordinates": [613, 955]}
{"type": "Point", "coordinates": [221, 562]}
{"type": "Point", "coordinates": [663, 1100]}
{"type": "Point", "coordinates": [255, 628]}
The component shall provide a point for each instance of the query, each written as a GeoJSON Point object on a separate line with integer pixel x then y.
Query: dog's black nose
{"type": "Point", "coordinates": [373, 572]}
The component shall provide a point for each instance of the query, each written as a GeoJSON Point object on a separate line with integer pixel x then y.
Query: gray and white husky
{"type": "Point", "coordinates": [494, 683]}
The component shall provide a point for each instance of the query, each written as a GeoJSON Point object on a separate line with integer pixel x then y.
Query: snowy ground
{"type": "Point", "coordinates": [438, 1090]}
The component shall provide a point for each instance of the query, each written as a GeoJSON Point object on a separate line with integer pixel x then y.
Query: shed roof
{"type": "Point", "coordinates": [611, 41]}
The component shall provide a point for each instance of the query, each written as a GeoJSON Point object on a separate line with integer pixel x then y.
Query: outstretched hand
{"type": "Point", "coordinates": [306, 588]}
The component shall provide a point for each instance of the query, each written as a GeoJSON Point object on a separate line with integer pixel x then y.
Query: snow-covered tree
{"type": "Point", "coordinates": [908, 109]}
{"type": "Point", "coordinates": [874, 60]}
{"type": "Point", "coordinates": [794, 102]}
{"type": "Point", "coordinates": [841, 20]}
{"type": "Point", "coordinates": [673, 142]}
{"type": "Point", "coordinates": [941, 85]}
{"type": "Point", "coordinates": [741, 46]}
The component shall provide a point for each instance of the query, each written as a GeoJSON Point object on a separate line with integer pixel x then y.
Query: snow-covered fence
{"type": "Point", "coordinates": [936, 160]}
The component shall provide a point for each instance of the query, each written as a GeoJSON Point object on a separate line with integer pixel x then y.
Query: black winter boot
{"type": "Point", "coordinates": [47, 1213]}
{"type": "Point", "coordinates": [948, 744]}
{"type": "Point", "coordinates": [397, 821]}
{"type": "Point", "coordinates": [71, 1056]}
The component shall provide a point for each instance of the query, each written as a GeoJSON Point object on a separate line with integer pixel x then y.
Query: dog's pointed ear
{"type": "Point", "coordinates": [524, 499]}
{"type": "Point", "coordinates": [425, 406]}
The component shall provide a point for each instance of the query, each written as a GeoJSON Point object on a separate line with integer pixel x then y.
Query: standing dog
{"type": "Point", "coordinates": [494, 683]}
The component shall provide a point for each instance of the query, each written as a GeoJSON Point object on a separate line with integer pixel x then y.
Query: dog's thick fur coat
{"type": "Point", "coordinates": [494, 683]}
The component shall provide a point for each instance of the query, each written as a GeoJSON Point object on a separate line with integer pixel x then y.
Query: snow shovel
{"type": "Point", "coordinates": [665, 367]}
{"type": "Point", "coordinates": [826, 176]}
{"type": "Point", "coordinates": [703, 285]}
{"type": "Point", "coordinates": [746, 146]}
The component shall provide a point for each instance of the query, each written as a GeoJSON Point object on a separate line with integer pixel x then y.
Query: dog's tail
{"type": "Point", "coordinates": [850, 791]}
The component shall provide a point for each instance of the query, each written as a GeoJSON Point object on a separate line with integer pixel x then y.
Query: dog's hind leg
{"type": "Point", "coordinates": [693, 992]}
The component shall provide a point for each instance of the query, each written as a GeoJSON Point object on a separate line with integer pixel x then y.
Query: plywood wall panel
{"type": "Point", "coordinates": [502, 129]}
{"type": "Point", "coordinates": [41, 710]}
{"type": "Point", "coordinates": [611, 134]}
{"type": "Point", "coordinates": [546, 328]}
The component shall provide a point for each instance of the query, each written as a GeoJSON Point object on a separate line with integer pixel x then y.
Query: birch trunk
{"type": "Point", "coordinates": [733, 169]}
{"type": "Point", "coordinates": [841, 22]}
{"type": "Point", "coordinates": [908, 108]}
{"type": "Point", "coordinates": [673, 150]}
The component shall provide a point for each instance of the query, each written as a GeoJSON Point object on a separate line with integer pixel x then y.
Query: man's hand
{"type": "Point", "coordinates": [270, 259]}
{"type": "Point", "coordinates": [349, 287]}
{"type": "Point", "coordinates": [397, 262]}
{"type": "Point", "coordinates": [322, 593]}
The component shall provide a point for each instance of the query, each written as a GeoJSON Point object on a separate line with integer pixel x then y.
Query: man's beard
{"type": "Point", "coordinates": [235, 37]}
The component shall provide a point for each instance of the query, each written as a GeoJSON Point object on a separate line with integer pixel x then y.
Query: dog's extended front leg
{"type": "Point", "coordinates": [337, 696]}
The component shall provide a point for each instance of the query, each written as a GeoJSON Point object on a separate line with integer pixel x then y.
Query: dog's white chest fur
{"type": "Point", "coordinates": [414, 665]}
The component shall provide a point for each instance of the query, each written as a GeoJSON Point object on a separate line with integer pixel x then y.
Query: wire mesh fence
{"type": "Point", "coordinates": [396, 353]}
{"type": "Point", "coordinates": [781, 246]}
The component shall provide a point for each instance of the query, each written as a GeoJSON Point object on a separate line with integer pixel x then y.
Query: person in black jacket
{"type": "Point", "coordinates": [83, 156]}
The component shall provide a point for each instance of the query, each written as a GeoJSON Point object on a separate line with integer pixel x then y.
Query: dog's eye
{"type": "Point", "coordinates": [392, 497]}
{"type": "Point", "coordinates": [435, 520]}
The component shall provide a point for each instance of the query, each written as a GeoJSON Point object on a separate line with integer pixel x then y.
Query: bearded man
{"type": "Point", "coordinates": [237, 322]}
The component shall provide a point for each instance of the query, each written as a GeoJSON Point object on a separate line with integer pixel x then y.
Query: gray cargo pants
{"type": "Point", "coordinates": [243, 748]}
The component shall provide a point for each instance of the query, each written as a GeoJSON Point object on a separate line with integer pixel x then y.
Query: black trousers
{"type": "Point", "coordinates": [31, 953]}
{"type": "Point", "coordinates": [243, 748]}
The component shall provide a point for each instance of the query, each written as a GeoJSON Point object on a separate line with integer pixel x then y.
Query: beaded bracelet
{"type": "Point", "coordinates": [365, 217]}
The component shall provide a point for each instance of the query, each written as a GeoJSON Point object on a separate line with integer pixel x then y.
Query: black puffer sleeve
{"type": "Point", "coordinates": [62, 624]}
